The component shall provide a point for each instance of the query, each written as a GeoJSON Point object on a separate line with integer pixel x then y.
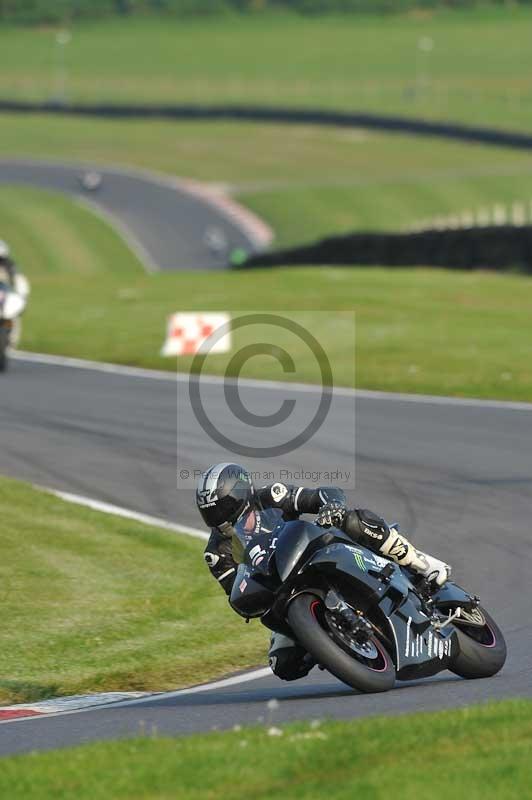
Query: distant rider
{"type": "Point", "coordinates": [227, 498]}
{"type": "Point", "coordinates": [17, 282]}
{"type": "Point", "coordinates": [7, 265]}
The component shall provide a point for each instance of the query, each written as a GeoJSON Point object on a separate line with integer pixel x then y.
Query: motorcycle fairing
{"type": "Point", "coordinates": [297, 538]}
{"type": "Point", "coordinates": [249, 597]}
{"type": "Point", "coordinates": [451, 596]}
{"type": "Point", "coordinates": [420, 649]}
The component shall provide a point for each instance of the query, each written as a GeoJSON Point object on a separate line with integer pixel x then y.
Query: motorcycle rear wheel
{"type": "Point", "coordinates": [482, 649]}
{"type": "Point", "coordinates": [4, 342]}
{"type": "Point", "coordinates": [307, 619]}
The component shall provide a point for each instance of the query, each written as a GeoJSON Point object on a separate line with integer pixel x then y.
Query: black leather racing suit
{"type": "Point", "coordinates": [288, 659]}
{"type": "Point", "coordinates": [291, 500]}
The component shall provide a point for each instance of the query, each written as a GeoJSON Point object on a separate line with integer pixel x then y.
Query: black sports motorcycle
{"type": "Point", "coordinates": [361, 616]}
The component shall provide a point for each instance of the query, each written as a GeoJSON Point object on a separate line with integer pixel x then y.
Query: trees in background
{"type": "Point", "coordinates": [61, 11]}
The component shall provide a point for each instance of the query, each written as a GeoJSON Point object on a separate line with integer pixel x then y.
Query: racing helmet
{"type": "Point", "coordinates": [225, 492]}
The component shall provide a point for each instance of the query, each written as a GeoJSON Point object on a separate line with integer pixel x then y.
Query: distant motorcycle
{"type": "Point", "coordinates": [13, 301]}
{"type": "Point", "coordinates": [91, 181]}
{"type": "Point", "coordinates": [362, 617]}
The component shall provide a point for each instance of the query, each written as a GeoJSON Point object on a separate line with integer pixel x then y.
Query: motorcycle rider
{"type": "Point", "coordinates": [7, 265]}
{"type": "Point", "coordinates": [17, 282]}
{"type": "Point", "coordinates": [226, 497]}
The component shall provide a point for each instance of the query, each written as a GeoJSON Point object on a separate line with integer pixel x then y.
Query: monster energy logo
{"type": "Point", "coordinates": [361, 564]}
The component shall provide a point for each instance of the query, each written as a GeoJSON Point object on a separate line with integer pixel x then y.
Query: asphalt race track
{"type": "Point", "coordinates": [457, 476]}
{"type": "Point", "coordinates": [170, 224]}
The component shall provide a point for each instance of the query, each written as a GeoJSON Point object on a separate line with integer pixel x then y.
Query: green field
{"type": "Point", "coordinates": [92, 602]}
{"type": "Point", "coordinates": [306, 181]}
{"type": "Point", "coordinates": [479, 70]}
{"type": "Point", "coordinates": [478, 753]}
{"type": "Point", "coordinates": [417, 330]}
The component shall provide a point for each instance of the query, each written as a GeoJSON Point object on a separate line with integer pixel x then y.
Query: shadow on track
{"type": "Point", "coordinates": [286, 693]}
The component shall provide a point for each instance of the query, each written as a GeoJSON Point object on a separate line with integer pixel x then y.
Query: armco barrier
{"type": "Point", "coordinates": [498, 248]}
{"type": "Point", "coordinates": [381, 122]}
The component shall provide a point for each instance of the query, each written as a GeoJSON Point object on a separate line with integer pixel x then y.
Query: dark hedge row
{"type": "Point", "coordinates": [346, 119]}
{"type": "Point", "coordinates": [498, 248]}
{"type": "Point", "coordinates": [53, 11]}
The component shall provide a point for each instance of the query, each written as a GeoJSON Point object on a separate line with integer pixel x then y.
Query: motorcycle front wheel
{"type": "Point", "coordinates": [366, 666]}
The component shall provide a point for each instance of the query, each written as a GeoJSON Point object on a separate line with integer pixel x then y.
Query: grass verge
{"type": "Point", "coordinates": [478, 70]}
{"type": "Point", "coordinates": [417, 330]}
{"type": "Point", "coordinates": [92, 602]}
{"type": "Point", "coordinates": [306, 181]}
{"type": "Point", "coordinates": [477, 753]}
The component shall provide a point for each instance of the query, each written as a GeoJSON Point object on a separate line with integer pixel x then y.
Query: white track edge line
{"type": "Point", "coordinates": [109, 508]}
{"type": "Point", "coordinates": [121, 229]}
{"type": "Point", "coordinates": [125, 513]}
{"type": "Point", "coordinates": [339, 391]}
{"type": "Point", "coordinates": [246, 677]}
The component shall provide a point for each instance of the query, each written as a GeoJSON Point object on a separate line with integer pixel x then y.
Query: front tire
{"type": "Point", "coordinates": [305, 616]}
{"type": "Point", "coordinates": [482, 649]}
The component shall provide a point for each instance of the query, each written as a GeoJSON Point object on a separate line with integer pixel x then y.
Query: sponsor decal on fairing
{"type": "Point", "coordinates": [256, 555]}
{"type": "Point", "coordinates": [360, 558]}
{"type": "Point", "coordinates": [415, 644]}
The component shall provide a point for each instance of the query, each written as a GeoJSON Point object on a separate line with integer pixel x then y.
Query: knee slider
{"type": "Point", "coordinates": [366, 527]}
{"type": "Point", "coordinates": [372, 526]}
{"type": "Point", "coordinates": [290, 663]}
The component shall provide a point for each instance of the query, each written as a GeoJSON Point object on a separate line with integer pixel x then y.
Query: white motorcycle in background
{"type": "Point", "coordinates": [13, 302]}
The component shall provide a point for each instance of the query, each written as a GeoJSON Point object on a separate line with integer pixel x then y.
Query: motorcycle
{"type": "Point", "coordinates": [13, 300]}
{"type": "Point", "coordinates": [362, 617]}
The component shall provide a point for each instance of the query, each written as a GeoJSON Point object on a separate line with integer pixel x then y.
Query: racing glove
{"type": "Point", "coordinates": [331, 515]}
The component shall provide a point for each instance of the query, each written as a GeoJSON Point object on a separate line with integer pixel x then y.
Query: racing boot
{"type": "Point", "coordinates": [367, 528]}
{"type": "Point", "coordinates": [288, 660]}
{"type": "Point", "coordinates": [403, 552]}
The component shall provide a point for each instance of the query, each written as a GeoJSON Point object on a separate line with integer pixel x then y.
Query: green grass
{"type": "Point", "coordinates": [307, 182]}
{"type": "Point", "coordinates": [417, 330]}
{"type": "Point", "coordinates": [478, 753]}
{"type": "Point", "coordinates": [92, 602]}
{"type": "Point", "coordinates": [479, 70]}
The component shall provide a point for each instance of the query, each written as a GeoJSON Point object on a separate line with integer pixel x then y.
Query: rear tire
{"type": "Point", "coordinates": [482, 651]}
{"type": "Point", "coordinates": [315, 638]}
{"type": "Point", "coordinates": [4, 341]}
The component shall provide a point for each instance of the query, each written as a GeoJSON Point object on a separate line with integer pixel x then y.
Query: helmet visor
{"type": "Point", "coordinates": [226, 509]}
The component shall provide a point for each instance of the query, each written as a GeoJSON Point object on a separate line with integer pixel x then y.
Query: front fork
{"type": "Point", "coordinates": [457, 609]}
{"type": "Point", "coordinates": [345, 617]}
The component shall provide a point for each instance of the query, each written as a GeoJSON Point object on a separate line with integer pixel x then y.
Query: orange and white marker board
{"type": "Point", "coordinates": [190, 333]}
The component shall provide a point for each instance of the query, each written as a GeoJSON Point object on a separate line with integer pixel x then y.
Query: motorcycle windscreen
{"type": "Point", "coordinates": [293, 541]}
